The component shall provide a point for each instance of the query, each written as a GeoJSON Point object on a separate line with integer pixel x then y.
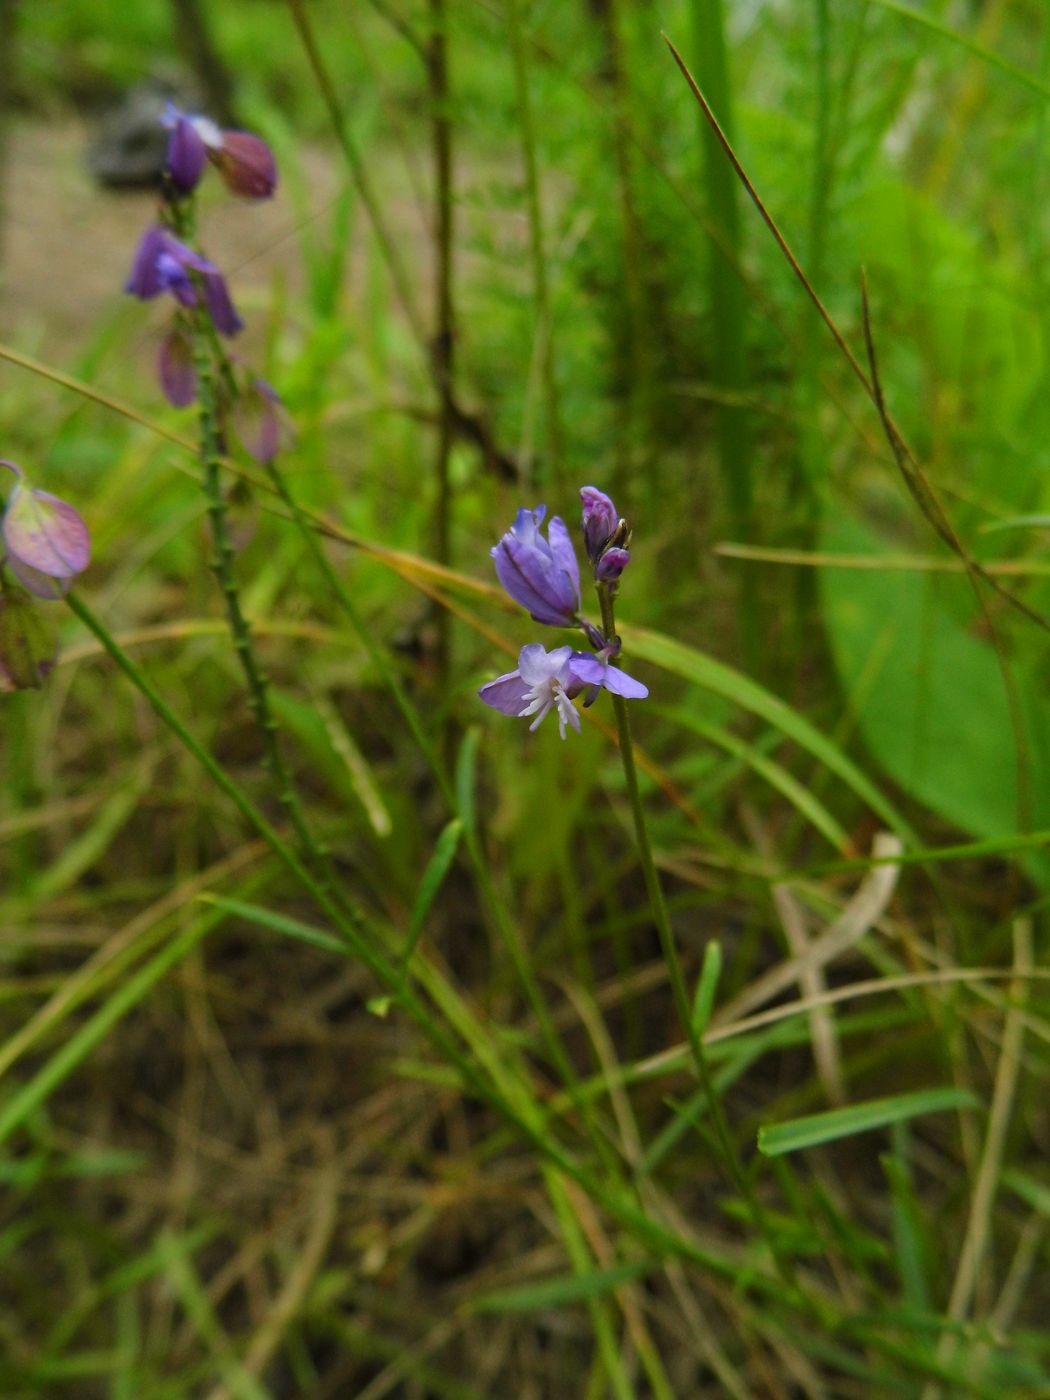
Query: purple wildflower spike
{"type": "Point", "coordinates": [543, 682]}
{"type": "Point", "coordinates": [257, 419]}
{"type": "Point", "coordinates": [46, 543]}
{"type": "Point", "coordinates": [540, 574]}
{"type": "Point", "coordinates": [175, 367]}
{"type": "Point", "coordinates": [163, 263]}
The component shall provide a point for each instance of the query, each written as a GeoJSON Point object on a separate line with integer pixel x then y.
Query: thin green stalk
{"type": "Point", "coordinates": [658, 907]}
{"type": "Point", "coordinates": [258, 686]}
{"type": "Point", "coordinates": [537, 242]}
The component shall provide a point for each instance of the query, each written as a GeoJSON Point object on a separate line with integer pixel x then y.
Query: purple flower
{"type": "Point", "coordinates": [46, 543]}
{"type": "Point", "coordinates": [247, 165]}
{"type": "Point", "coordinates": [244, 161]}
{"type": "Point", "coordinates": [187, 153]}
{"type": "Point", "coordinates": [611, 565]}
{"type": "Point", "coordinates": [175, 367]}
{"type": "Point", "coordinates": [546, 681]}
{"type": "Point", "coordinates": [542, 575]}
{"type": "Point", "coordinates": [605, 535]}
{"type": "Point", "coordinates": [163, 263]}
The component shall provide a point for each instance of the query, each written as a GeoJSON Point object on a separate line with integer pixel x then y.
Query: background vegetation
{"type": "Point", "coordinates": [242, 1158]}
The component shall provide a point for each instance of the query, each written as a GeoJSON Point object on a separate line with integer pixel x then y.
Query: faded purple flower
{"type": "Point", "coordinates": [247, 165]}
{"type": "Point", "coordinates": [258, 420]}
{"type": "Point", "coordinates": [540, 574]}
{"type": "Point", "coordinates": [244, 161]}
{"type": "Point", "coordinates": [163, 263]}
{"type": "Point", "coordinates": [544, 681]}
{"type": "Point", "coordinates": [175, 367]}
{"type": "Point", "coordinates": [46, 543]}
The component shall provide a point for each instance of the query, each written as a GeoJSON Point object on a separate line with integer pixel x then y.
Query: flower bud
{"type": "Point", "coordinates": [46, 542]}
{"type": "Point", "coordinates": [599, 520]}
{"type": "Point", "coordinates": [246, 163]}
{"type": "Point", "coordinates": [611, 565]}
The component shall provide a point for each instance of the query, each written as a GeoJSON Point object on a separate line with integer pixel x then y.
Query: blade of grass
{"type": "Point", "coordinates": [818, 1128]}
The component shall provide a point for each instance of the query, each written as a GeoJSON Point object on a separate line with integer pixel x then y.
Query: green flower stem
{"type": "Point", "coordinates": [211, 454]}
{"type": "Point", "coordinates": [658, 906]}
{"type": "Point", "coordinates": [209, 359]}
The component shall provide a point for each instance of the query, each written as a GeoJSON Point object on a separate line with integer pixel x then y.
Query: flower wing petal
{"type": "Point", "coordinates": [620, 683]}
{"type": "Point", "coordinates": [508, 694]}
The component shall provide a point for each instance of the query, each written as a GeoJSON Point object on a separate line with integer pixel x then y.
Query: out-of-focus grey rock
{"type": "Point", "coordinates": [131, 144]}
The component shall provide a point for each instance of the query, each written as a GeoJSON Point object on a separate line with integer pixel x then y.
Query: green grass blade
{"type": "Point", "coordinates": [778, 1138]}
{"type": "Point", "coordinates": [437, 868]}
{"type": "Point", "coordinates": [560, 1292]}
{"type": "Point", "coordinates": [693, 665]}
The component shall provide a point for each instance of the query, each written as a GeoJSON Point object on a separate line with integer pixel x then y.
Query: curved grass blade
{"type": "Point", "coordinates": [777, 1138]}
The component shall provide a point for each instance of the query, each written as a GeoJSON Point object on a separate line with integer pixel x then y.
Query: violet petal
{"type": "Point", "coordinates": [44, 536]}
{"type": "Point", "coordinates": [507, 694]}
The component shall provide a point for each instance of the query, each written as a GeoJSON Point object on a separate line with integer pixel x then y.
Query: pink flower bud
{"type": "Point", "coordinates": [46, 542]}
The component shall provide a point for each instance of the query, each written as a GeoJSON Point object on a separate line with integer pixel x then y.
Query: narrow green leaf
{"type": "Point", "coordinates": [707, 985]}
{"type": "Point", "coordinates": [433, 877]}
{"type": "Point", "coordinates": [908, 1236]}
{"type": "Point", "coordinates": [561, 1291]}
{"type": "Point", "coordinates": [466, 777]}
{"type": "Point", "coordinates": [278, 923]}
{"type": "Point", "coordinates": [777, 1138]}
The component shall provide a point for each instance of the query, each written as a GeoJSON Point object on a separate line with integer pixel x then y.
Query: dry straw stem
{"type": "Point", "coordinates": [979, 1223]}
{"type": "Point", "coordinates": [859, 916]}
